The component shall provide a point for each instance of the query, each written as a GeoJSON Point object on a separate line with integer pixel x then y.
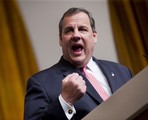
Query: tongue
{"type": "Point", "coordinates": [77, 49]}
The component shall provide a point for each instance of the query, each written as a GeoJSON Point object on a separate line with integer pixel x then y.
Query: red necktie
{"type": "Point", "coordinates": [96, 84]}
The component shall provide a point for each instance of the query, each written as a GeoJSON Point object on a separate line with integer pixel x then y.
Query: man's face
{"type": "Point", "coordinates": [77, 39]}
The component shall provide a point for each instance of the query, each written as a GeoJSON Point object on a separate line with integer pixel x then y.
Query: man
{"type": "Point", "coordinates": [63, 92]}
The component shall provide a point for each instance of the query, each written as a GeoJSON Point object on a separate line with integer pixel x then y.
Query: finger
{"type": "Point", "coordinates": [84, 83]}
{"type": "Point", "coordinates": [73, 76]}
{"type": "Point", "coordinates": [68, 77]}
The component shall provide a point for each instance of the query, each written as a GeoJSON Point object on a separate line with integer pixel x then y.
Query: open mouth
{"type": "Point", "coordinates": [77, 49]}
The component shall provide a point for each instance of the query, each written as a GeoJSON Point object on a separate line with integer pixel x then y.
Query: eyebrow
{"type": "Point", "coordinates": [70, 27]}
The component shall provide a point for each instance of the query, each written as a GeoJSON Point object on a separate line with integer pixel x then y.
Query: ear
{"type": "Point", "coordinates": [95, 37]}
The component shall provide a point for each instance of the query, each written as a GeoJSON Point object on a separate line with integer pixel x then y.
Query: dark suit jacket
{"type": "Point", "coordinates": [43, 89]}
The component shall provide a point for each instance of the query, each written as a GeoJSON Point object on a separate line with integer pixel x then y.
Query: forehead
{"type": "Point", "coordinates": [77, 19]}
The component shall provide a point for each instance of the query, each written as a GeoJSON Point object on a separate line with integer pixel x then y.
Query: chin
{"type": "Point", "coordinates": [78, 58]}
{"type": "Point", "coordinates": [79, 62]}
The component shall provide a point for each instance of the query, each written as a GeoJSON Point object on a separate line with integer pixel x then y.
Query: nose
{"type": "Point", "coordinates": [76, 36]}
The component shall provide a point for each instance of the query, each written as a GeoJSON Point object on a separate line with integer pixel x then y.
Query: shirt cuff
{"type": "Point", "coordinates": [68, 109]}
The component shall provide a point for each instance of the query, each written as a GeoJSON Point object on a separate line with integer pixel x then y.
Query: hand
{"type": "Point", "coordinates": [73, 88]}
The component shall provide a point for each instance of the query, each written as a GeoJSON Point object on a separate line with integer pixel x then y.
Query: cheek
{"type": "Point", "coordinates": [64, 44]}
{"type": "Point", "coordinates": [90, 45]}
{"type": "Point", "coordinates": [92, 41]}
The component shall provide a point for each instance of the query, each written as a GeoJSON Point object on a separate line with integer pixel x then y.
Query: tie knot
{"type": "Point", "coordinates": [83, 70]}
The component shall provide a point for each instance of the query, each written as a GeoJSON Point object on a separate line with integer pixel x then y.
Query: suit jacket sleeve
{"type": "Point", "coordinates": [38, 105]}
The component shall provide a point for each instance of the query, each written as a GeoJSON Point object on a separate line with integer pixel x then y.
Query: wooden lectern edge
{"type": "Point", "coordinates": [142, 100]}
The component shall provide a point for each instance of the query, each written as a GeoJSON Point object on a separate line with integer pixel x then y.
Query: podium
{"type": "Point", "coordinates": [130, 102]}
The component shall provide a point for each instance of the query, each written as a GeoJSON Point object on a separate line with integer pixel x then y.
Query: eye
{"type": "Point", "coordinates": [82, 29]}
{"type": "Point", "coordinates": [68, 30]}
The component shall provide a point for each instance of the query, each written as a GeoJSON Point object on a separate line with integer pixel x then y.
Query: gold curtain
{"type": "Point", "coordinates": [17, 61]}
{"type": "Point", "coordinates": [130, 28]}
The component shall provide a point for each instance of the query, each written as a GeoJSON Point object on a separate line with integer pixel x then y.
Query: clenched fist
{"type": "Point", "coordinates": [73, 88]}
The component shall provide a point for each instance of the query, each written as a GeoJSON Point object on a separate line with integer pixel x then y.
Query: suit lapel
{"type": "Point", "coordinates": [110, 75]}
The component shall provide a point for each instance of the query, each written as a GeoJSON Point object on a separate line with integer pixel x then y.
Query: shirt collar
{"type": "Point", "coordinates": [91, 64]}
